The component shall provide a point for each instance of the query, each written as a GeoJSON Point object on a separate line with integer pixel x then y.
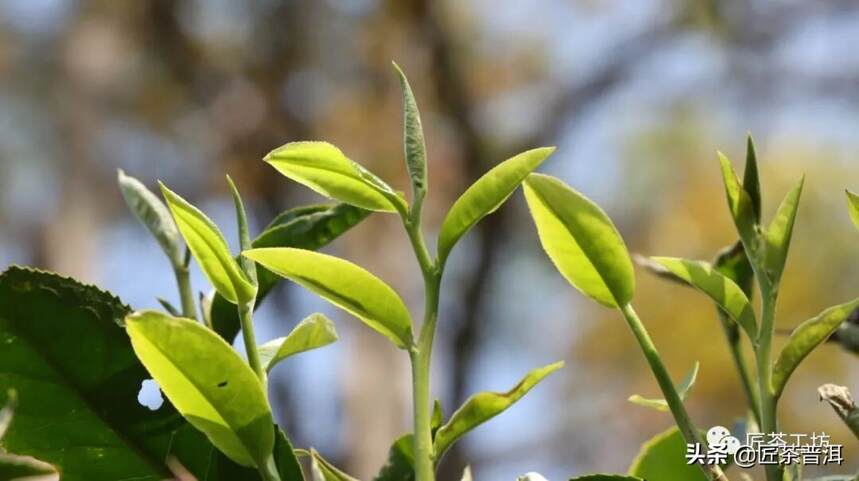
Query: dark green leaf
{"type": "Point", "coordinates": [486, 195]}
{"type": "Point", "coordinates": [308, 227]}
{"type": "Point", "coordinates": [414, 144]}
{"type": "Point", "coordinates": [663, 457]}
{"type": "Point", "coordinates": [210, 249]}
{"type": "Point", "coordinates": [323, 168]}
{"type": "Point", "coordinates": [400, 465]}
{"type": "Point", "coordinates": [751, 178]}
{"type": "Point", "coordinates": [313, 332]}
{"type": "Point", "coordinates": [153, 214]}
{"type": "Point", "coordinates": [779, 233]}
{"type": "Point", "coordinates": [78, 407]}
{"type": "Point", "coordinates": [662, 405]}
{"type": "Point", "coordinates": [346, 285]}
{"type": "Point", "coordinates": [169, 307]}
{"type": "Point", "coordinates": [581, 241]}
{"type": "Point", "coordinates": [484, 406]}
{"type": "Point", "coordinates": [805, 339]}
{"type": "Point", "coordinates": [285, 459]}
{"type": "Point", "coordinates": [724, 292]}
{"type": "Point", "coordinates": [733, 263]}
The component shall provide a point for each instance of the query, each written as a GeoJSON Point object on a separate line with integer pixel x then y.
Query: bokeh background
{"type": "Point", "coordinates": [638, 96]}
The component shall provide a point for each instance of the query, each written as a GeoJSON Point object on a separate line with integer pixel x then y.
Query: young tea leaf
{"type": "Point", "coordinates": [345, 285]}
{"type": "Point", "coordinates": [662, 405]}
{"type": "Point", "coordinates": [414, 144]}
{"type": "Point", "coordinates": [733, 263]}
{"type": "Point", "coordinates": [153, 214]}
{"type": "Point", "coordinates": [248, 267]}
{"type": "Point", "coordinates": [484, 406]}
{"type": "Point", "coordinates": [664, 457]}
{"type": "Point", "coordinates": [740, 205]}
{"type": "Point", "coordinates": [313, 332]}
{"type": "Point", "coordinates": [723, 291]}
{"type": "Point", "coordinates": [779, 233]}
{"type": "Point", "coordinates": [322, 470]}
{"type": "Point", "coordinates": [221, 397]}
{"type": "Point", "coordinates": [805, 339]}
{"type": "Point", "coordinates": [323, 168]}
{"type": "Point", "coordinates": [581, 241]}
{"type": "Point", "coordinates": [751, 178]}
{"type": "Point", "coordinates": [210, 249]}
{"type": "Point", "coordinates": [853, 207]}
{"type": "Point", "coordinates": [485, 196]}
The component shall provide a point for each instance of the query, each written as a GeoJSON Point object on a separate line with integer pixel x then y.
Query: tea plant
{"type": "Point", "coordinates": [76, 356]}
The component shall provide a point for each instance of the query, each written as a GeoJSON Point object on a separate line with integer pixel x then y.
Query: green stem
{"type": "Point", "coordinates": [268, 471]}
{"type": "Point", "coordinates": [246, 310]}
{"type": "Point", "coordinates": [675, 404]}
{"type": "Point", "coordinates": [186, 295]}
{"type": "Point", "coordinates": [732, 334]}
{"type": "Point", "coordinates": [769, 402]}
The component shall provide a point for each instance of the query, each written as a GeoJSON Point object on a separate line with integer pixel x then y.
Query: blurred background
{"type": "Point", "coordinates": [638, 96]}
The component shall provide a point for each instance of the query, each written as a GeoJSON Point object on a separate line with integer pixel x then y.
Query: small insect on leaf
{"type": "Point", "coordinates": [210, 249]}
{"type": "Point", "coordinates": [153, 214]}
{"type": "Point", "coordinates": [723, 291]}
{"type": "Point", "coordinates": [581, 241]}
{"type": "Point", "coordinates": [221, 397]}
{"type": "Point", "coordinates": [805, 339]}
{"type": "Point", "coordinates": [853, 207]}
{"type": "Point", "coordinates": [662, 405]}
{"type": "Point", "coordinates": [345, 285]}
{"type": "Point", "coordinates": [486, 195]}
{"type": "Point", "coordinates": [484, 406]}
{"type": "Point", "coordinates": [313, 332]}
{"type": "Point", "coordinates": [325, 169]}
{"type": "Point", "coordinates": [414, 144]}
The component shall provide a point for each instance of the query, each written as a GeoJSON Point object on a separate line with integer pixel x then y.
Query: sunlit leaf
{"type": "Point", "coordinates": [248, 267]}
{"type": "Point", "coordinates": [682, 390]}
{"type": "Point", "coordinates": [345, 285]}
{"type": "Point", "coordinates": [779, 233]}
{"type": "Point", "coordinates": [486, 195]}
{"type": "Point", "coordinates": [323, 168]}
{"type": "Point", "coordinates": [740, 205]}
{"type": "Point", "coordinates": [853, 207]}
{"type": "Point", "coordinates": [414, 144]}
{"type": "Point", "coordinates": [484, 406]}
{"type": "Point", "coordinates": [309, 227]}
{"type": "Point", "coordinates": [322, 470]}
{"type": "Point", "coordinates": [210, 249]}
{"type": "Point", "coordinates": [313, 332]}
{"type": "Point", "coordinates": [805, 338]}
{"type": "Point", "coordinates": [723, 291]}
{"type": "Point", "coordinates": [664, 457]}
{"type": "Point", "coordinates": [581, 241]}
{"type": "Point", "coordinates": [221, 396]}
{"type": "Point", "coordinates": [153, 214]}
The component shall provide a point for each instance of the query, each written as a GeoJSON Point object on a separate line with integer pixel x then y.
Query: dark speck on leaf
{"type": "Point", "coordinates": [222, 384]}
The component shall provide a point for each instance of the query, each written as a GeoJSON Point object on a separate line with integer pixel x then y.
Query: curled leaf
{"type": "Point", "coordinates": [325, 169]}
{"type": "Point", "coordinates": [153, 214]}
{"type": "Point", "coordinates": [805, 339]}
{"type": "Point", "coordinates": [484, 406]}
{"type": "Point", "coordinates": [313, 332]}
{"type": "Point", "coordinates": [682, 390]}
{"type": "Point", "coordinates": [581, 241]}
{"type": "Point", "coordinates": [841, 400]}
{"type": "Point", "coordinates": [414, 144]}
{"type": "Point", "coordinates": [210, 249]}
{"type": "Point", "coordinates": [485, 196]}
{"type": "Point", "coordinates": [345, 285]}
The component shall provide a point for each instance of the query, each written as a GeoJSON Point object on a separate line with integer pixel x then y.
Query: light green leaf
{"type": "Point", "coordinates": [740, 205]}
{"type": "Point", "coordinates": [853, 207]}
{"type": "Point", "coordinates": [220, 396]}
{"type": "Point", "coordinates": [18, 468]}
{"type": "Point", "coordinates": [415, 146]}
{"type": "Point", "coordinates": [248, 267]}
{"type": "Point", "coordinates": [153, 214]}
{"type": "Point", "coordinates": [345, 285]}
{"type": "Point", "coordinates": [210, 249]}
{"type": "Point", "coordinates": [486, 195]}
{"type": "Point", "coordinates": [323, 168]}
{"type": "Point", "coordinates": [484, 406]}
{"type": "Point", "coordinates": [313, 332]}
{"type": "Point", "coordinates": [724, 292]}
{"type": "Point", "coordinates": [606, 477]}
{"type": "Point", "coordinates": [663, 457]}
{"type": "Point", "coordinates": [805, 339]}
{"type": "Point", "coordinates": [581, 241]}
{"type": "Point", "coordinates": [779, 233]}
{"type": "Point", "coordinates": [322, 470]}
{"type": "Point", "coordinates": [751, 178]}
{"type": "Point", "coordinates": [662, 405]}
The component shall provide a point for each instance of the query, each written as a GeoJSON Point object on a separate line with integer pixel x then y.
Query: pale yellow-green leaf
{"type": "Point", "coordinates": [313, 332]}
{"type": "Point", "coordinates": [661, 404]}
